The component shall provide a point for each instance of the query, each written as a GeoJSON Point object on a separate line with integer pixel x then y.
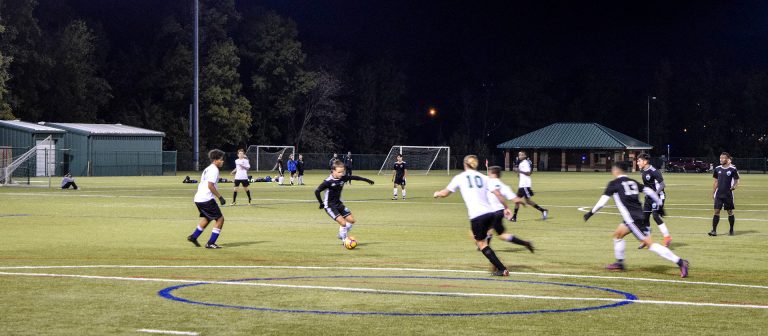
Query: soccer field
{"type": "Point", "coordinates": [112, 258]}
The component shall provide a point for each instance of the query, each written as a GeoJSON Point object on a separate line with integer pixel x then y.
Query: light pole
{"type": "Point", "coordinates": [196, 91]}
{"type": "Point", "coordinates": [648, 119]}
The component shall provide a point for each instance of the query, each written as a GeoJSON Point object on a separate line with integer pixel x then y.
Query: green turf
{"type": "Point", "coordinates": [144, 221]}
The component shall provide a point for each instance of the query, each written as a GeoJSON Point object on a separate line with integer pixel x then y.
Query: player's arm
{"type": "Point", "coordinates": [215, 192]}
{"type": "Point", "coordinates": [451, 188]}
{"type": "Point", "coordinates": [735, 180]}
{"type": "Point", "coordinates": [714, 186]}
{"type": "Point", "coordinates": [442, 193]}
{"type": "Point", "coordinates": [347, 178]}
{"type": "Point", "coordinates": [652, 194]}
{"type": "Point", "coordinates": [394, 173]}
{"type": "Point", "coordinates": [600, 204]}
{"type": "Point", "coordinates": [319, 190]}
{"type": "Point", "coordinates": [660, 180]}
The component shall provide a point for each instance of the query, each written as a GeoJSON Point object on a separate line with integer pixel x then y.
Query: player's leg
{"type": "Point", "coordinates": [293, 173]}
{"type": "Point", "coordinates": [619, 248]}
{"type": "Point", "coordinates": [234, 193]}
{"type": "Point", "coordinates": [402, 188]}
{"type": "Point", "coordinates": [394, 191]}
{"type": "Point", "coordinates": [647, 213]}
{"type": "Point", "coordinates": [729, 206]}
{"type": "Point", "coordinates": [662, 226]}
{"type": "Point", "coordinates": [659, 249]}
{"type": "Point", "coordinates": [480, 226]}
{"type": "Point", "coordinates": [529, 201]}
{"type": "Point", "coordinates": [716, 217]}
{"type": "Point", "coordinates": [215, 232]}
{"type": "Point", "coordinates": [202, 224]}
{"type": "Point", "coordinates": [247, 191]}
{"type": "Point", "coordinates": [520, 194]}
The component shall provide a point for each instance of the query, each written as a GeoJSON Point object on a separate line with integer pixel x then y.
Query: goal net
{"type": "Point", "coordinates": [420, 159]}
{"type": "Point", "coordinates": [264, 157]}
{"type": "Point", "coordinates": [31, 168]}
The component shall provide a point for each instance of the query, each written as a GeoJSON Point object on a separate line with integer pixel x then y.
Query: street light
{"type": "Point", "coordinates": [432, 111]}
{"type": "Point", "coordinates": [648, 119]}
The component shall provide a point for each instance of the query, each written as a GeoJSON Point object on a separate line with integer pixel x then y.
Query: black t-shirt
{"type": "Point", "coordinates": [626, 194]}
{"type": "Point", "coordinates": [652, 179]}
{"type": "Point", "coordinates": [300, 166]}
{"type": "Point", "coordinates": [725, 179]}
{"type": "Point", "coordinates": [333, 188]}
{"type": "Point", "coordinates": [400, 168]}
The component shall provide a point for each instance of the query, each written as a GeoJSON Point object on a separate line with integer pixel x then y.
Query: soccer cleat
{"type": "Point", "coordinates": [617, 266]}
{"type": "Point", "coordinates": [684, 268]}
{"type": "Point", "coordinates": [514, 219]}
{"type": "Point", "coordinates": [730, 233]}
{"type": "Point", "coordinates": [545, 214]}
{"type": "Point", "coordinates": [712, 233]}
{"type": "Point", "coordinates": [394, 198]}
{"type": "Point", "coordinates": [502, 273]}
{"type": "Point", "coordinates": [529, 246]}
{"type": "Point", "coordinates": [403, 198]}
{"type": "Point", "coordinates": [667, 241]}
{"type": "Point", "coordinates": [212, 246]}
{"type": "Point", "coordinates": [233, 204]}
{"type": "Point", "coordinates": [193, 241]}
{"type": "Point", "coordinates": [642, 246]}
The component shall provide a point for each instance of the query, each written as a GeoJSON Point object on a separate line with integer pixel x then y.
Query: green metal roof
{"type": "Point", "coordinates": [29, 127]}
{"type": "Point", "coordinates": [575, 136]}
{"type": "Point", "coordinates": [105, 129]}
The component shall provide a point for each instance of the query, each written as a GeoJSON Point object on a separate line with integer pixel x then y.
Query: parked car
{"type": "Point", "coordinates": [688, 165]}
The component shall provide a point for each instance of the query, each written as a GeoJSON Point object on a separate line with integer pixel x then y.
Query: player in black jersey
{"type": "Point", "coordinates": [652, 179]}
{"type": "Point", "coordinates": [726, 180]}
{"type": "Point", "coordinates": [280, 169]}
{"type": "Point", "coordinates": [331, 201]}
{"type": "Point", "coordinates": [399, 174]}
{"type": "Point", "coordinates": [626, 194]}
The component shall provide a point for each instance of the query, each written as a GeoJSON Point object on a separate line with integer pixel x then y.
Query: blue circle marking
{"type": "Point", "coordinates": [167, 293]}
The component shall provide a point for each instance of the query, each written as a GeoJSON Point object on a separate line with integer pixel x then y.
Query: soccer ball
{"type": "Point", "coordinates": [350, 243]}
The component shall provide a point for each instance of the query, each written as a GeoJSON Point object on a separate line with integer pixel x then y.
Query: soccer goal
{"type": "Point", "coordinates": [34, 167]}
{"type": "Point", "coordinates": [420, 159]}
{"type": "Point", "coordinates": [264, 157]}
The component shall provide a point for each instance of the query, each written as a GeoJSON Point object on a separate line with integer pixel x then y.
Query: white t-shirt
{"type": "Point", "coordinates": [524, 167]}
{"type": "Point", "coordinates": [241, 169]}
{"type": "Point", "coordinates": [210, 174]}
{"type": "Point", "coordinates": [496, 184]}
{"type": "Point", "coordinates": [474, 190]}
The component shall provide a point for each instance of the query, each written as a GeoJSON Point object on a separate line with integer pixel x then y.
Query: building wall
{"type": "Point", "coordinates": [126, 155]}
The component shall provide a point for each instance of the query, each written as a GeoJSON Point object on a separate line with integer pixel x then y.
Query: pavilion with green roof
{"type": "Point", "coordinates": [574, 147]}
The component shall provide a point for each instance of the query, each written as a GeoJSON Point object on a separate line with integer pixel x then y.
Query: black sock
{"type": "Point", "coordinates": [488, 252]}
{"type": "Point", "coordinates": [248, 192]}
{"type": "Point", "coordinates": [731, 220]}
{"type": "Point", "coordinates": [234, 197]}
{"type": "Point", "coordinates": [517, 208]}
{"type": "Point", "coordinates": [518, 241]}
{"type": "Point", "coordinates": [538, 207]}
{"type": "Point", "coordinates": [715, 220]}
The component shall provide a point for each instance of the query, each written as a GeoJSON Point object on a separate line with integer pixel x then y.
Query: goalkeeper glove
{"type": "Point", "coordinates": [222, 200]}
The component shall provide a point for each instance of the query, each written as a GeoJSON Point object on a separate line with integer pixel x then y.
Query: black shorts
{"type": "Point", "coordinates": [638, 228]}
{"type": "Point", "coordinates": [524, 193]}
{"type": "Point", "coordinates": [650, 206]}
{"type": "Point", "coordinates": [481, 225]}
{"type": "Point", "coordinates": [301, 173]}
{"type": "Point", "coordinates": [293, 172]}
{"type": "Point", "coordinates": [498, 222]}
{"type": "Point", "coordinates": [400, 180]}
{"type": "Point", "coordinates": [209, 210]}
{"type": "Point", "coordinates": [724, 202]}
{"type": "Point", "coordinates": [245, 183]}
{"type": "Point", "coordinates": [337, 210]}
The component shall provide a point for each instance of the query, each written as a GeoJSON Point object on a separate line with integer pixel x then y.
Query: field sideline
{"type": "Point", "coordinates": [112, 259]}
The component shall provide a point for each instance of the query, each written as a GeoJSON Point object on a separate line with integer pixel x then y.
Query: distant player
{"type": "Point", "coordinates": [205, 200]}
{"type": "Point", "coordinates": [726, 181]}
{"type": "Point", "coordinates": [280, 169]}
{"type": "Point", "coordinates": [474, 190]}
{"type": "Point", "coordinates": [494, 182]}
{"type": "Point", "coordinates": [331, 202]}
{"type": "Point", "coordinates": [626, 194]}
{"type": "Point", "coordinates": [524, 191]}
{"type": "Point", "coordinates": [399, 174]}
{"type": "Point", "coordinates": [652, 179]}
{"type": "Point", "coordinates": [300, 169]}
{"type": "Point", "coordinates": [292, 167]}
{"type": "Point", "coordinates": [333, 160]}
{"type": "Point", "coordinates": [348, 164]}
{"type": "Point", "coordinates": [242, 164]}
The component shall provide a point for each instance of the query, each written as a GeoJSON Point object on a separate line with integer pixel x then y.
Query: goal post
{"type": "Point", "coordinates": [421, 159]}
{"type": "Point", "coordinates": [264, 157]}
{"type": "Point", "coordinates": [35, 167]}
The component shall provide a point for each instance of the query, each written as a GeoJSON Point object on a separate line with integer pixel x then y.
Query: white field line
{"type": "Point", "coordinates": [387, 269]}
{"type": "Point", "coordinates": [167, 332]}
{"type": "Point", "coordinates": [586, 209]}
{"type": "Point", "coordinates": [382, 291]}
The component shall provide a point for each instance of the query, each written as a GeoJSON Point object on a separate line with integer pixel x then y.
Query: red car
{"type": "Point", "coordinates": [688, 165]}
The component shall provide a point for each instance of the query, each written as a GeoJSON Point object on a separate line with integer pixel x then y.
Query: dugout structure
{"type": "Point", "coordinates": [421, 159]}
{"type": "Point", "coordinates": [574, 147]}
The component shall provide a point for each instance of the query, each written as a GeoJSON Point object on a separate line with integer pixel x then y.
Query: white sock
{"type": "Point", "coordinates": [291, 180]}
{"type": "Point", "coordinates": [403, 192]}
{"type": "Point", "coordinates": [663, 229]}
{"type": "Point", "coordinates": [349, 227]}
{"type": "Point", "coordinates": [664, 252]}
{"type": "Point", "coordinates": [619, 245]}
{"type": "Point", "coordinates": [342, 232]}
{"type": "Point", "coordinates": [394, 192]}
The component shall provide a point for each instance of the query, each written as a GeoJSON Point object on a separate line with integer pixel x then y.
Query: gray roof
{"type": "Point", "coordinates": [575, 136]}
{"type": "Point", "coordinates": [105, 129]}
{"type": "Point", "coordinates": [29, 127]}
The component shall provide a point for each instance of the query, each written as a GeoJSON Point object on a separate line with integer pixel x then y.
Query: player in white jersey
{"type": "Point", "coordinates": [495, 183]}
{"type": "Point", "coordinates": [524, 191]}
{"type": "Point", "coordinates": [474, 190]}
{"type": "Point", "coordinates": [242, 164]}
{"type": "Point", "coordinates": [205, 199]}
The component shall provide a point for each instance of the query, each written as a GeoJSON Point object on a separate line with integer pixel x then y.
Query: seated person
{"type": "Point", "coordinates": [68, 181]}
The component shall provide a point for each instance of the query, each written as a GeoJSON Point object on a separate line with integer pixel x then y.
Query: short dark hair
{"type": "Point", "coordinates": [399, 155]}
{"type": "Point", "coordinates": [726, 154]}
{"type": "Point", "coordinates": [215, 154]}
{"type": "Point", "coordinates": [241, 150]}
{"type": "Point", "coordinates": [337, 164]}
{"type": "Point", "coordinates": [496, 170]}
{"type": "Point", "coordinates": [622, 165]}
{"type": "Point", "coordinates": [644, 156]}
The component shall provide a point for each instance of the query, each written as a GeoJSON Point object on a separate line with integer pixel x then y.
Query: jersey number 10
{"type": "Point", "coordinates": [478, 181]}
{"type": "Point", "coordinates": [630, 188]}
